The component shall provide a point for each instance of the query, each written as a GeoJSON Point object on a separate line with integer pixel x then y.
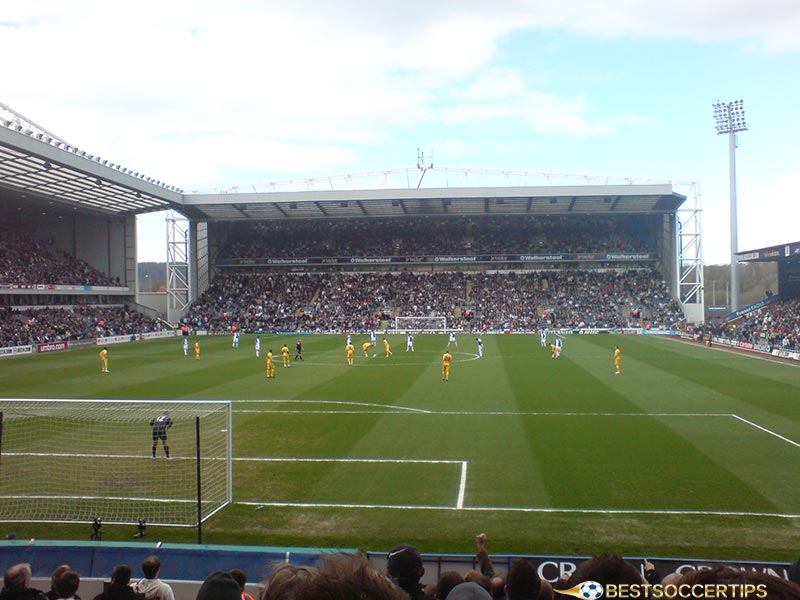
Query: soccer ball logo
{"type": "Point", "coordinates": [591, 590]}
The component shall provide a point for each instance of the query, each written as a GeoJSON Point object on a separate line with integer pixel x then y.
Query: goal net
{"type": "Point", "coordinates": [420, 324]}
{"type": "Point", "coordinates": [74, 460]}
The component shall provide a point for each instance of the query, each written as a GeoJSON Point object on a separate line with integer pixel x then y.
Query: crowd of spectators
{"type": "Point", "coordinates": [351, 576]}
{"type": "Point", "coordinates": [359, 302]}
{"type": "Point", "coordinates": [776, 325]}
{"type": "Point", "coordinates": [27, 260]}
{"type": "Point", "coordinates": [45, 325]}
{"type": "Point", "coordinates": [456, 235]}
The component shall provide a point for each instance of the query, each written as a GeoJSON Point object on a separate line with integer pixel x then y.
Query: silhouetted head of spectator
{"type": "Point", "coordinates": [523, 582]}
{"type": "Point", "coordinates": [346, 576]}
{"type": "Point", "coordinates": [794, 571]}
{"type": "Point", "coordinates": [546, 591]}
{"type": "Point", "coordinates": [447, 581]}
{"type": "Point", "coordinates": [68, 583]}
{"type": "Point", "coordinates": [774, 588]}
{"type": "Point", "coordinates": [240, 577]}
{"type": "Point", "coordinates": [469, 590]}
{"type": "Point", "coordinates": [498, 587]}
{"type": "Point", "coordinates": [283, 579]}
{"type": "Point", "coordinates": [151, 566]}
{"type": "Point", "coordinates": [56, 574]}
{"type": "Point", "coordinates": [121, 575]}
{"type": "Point", "coordinates": [219, 586]}
{"type": "Point", "coordinates": [479, 578]}
{"type": "Point", "coordinates": [17, 577]}
{"type": "Point", "coordinates": [404, 566]}
{"type": "Point", "coordinates": [607, 569]}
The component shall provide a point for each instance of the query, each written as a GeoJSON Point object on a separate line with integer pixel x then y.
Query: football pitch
{"type": "Point", "coordinates": [690, 451]}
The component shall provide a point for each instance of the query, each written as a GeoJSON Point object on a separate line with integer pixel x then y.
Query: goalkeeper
{"type": "Point", "coordinates": [160, 424]}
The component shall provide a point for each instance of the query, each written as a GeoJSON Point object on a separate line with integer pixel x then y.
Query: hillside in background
{"type": "Point", "coordinates": [152, 276]}
{"type": "Point", "coordinates": [755, 279]}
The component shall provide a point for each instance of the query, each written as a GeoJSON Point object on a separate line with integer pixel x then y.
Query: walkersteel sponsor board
{"type": "Point", "coordinates": [436, 259]}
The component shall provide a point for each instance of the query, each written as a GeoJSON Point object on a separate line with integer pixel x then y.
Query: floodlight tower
{"type": "Point", "coordinates": [730, 119]}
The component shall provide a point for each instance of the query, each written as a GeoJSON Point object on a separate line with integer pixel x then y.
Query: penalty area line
{"type": "Point", "coordinates": [765, 430]}
{"type": "Point", "coordinates": [521, 509]}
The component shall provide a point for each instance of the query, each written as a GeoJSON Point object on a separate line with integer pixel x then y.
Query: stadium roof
{"type": "Point", "coordinates": [772, 253]}
{"type": "Point", "coordinates": [437, 202]}
{"type": "Point", "coordinates": [36, 167]}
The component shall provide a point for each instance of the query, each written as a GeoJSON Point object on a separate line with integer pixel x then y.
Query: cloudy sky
{"type": "Point", "coordinates": [206, 95]}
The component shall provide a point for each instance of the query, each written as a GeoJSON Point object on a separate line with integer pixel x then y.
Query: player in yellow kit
{"type": "Point", "coordinates": [197, 350]}
{"type": "Point", "coordinates": [617, 360]}
{"type": "Point", "coordinates": [104, 360]}
{"type": "Point", "coordinates": [366, 346]}
{"type": "Point", "coordinates": [553, 351]}
{"type": "Point", "coordinates": [350, 350]}
{"type": "Point", "coordinates": [285, 355]}
{"type": "Point", "coordinates": [447, 358]}
{"type": "Point", "coordinates": [270, 365]}
{"type": "Point", "coordinates": [387, 347]}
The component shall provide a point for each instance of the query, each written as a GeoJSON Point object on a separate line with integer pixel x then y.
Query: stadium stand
{"type": "Point", "coordinates": [45, 325]}
{"type": "Point", "coordinates": [356, 302]}
{"type": "Point", "coordinates": [776, 325]}
{"type": "Point", "coordinates": [24, 259]}
{"type": "Point", "coordinates": [452, 235]}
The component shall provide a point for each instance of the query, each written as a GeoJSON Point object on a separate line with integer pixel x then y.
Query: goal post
{"type": "Point", "coordinates": [75, 460]}
{"type": "Point", "coordinates": [420, 324]}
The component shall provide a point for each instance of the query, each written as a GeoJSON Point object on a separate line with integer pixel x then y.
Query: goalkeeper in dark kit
{"type": "Point", "coordinates": [160, 424]}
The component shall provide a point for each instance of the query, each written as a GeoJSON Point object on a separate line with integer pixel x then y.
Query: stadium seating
{"type": "Point", "coordinates": [26, 260]}
{"type": "Point", "coordinates": [45, 325]}
{"type": "Point", "coordinates": [283, 301]}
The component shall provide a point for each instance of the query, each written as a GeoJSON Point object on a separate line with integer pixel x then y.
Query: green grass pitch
{"type": "Point", "coordinates": [689, 452]}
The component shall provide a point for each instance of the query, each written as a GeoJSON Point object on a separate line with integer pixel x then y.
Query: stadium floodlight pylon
{"type": "Point", "coordinates": [74, 460]}
{"type": "Point", "coordinates": [420, 324]}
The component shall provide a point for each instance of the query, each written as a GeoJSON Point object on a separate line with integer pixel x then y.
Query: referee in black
{"type": "Point", "coordinates": [299, 351]}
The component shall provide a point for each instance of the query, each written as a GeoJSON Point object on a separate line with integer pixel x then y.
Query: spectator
{"type": "Point", "coordinates": [241, 578]}
{"type": "Point", "coordinates": [469, 590]}
{"type": "Point", "coordinates": [52, 594]}
{"type": "Point", "coordinates": [447, 581]}
{"type": "Point", "coordinates": [283, 579]}
{"type": "Point", "coordinates": [605, 569]}
{"type": "Point", "coordinates": [119, 588]}
{"type": "Point", "coordinates": [523, 582]}
{"type": "Point", "coordinates": [346, 576]}
{"type": "Point", "coordinates": [775, 588]}
{"type": "Point", "coordinates": [151, 587]}
{"type": "Point", "coordinates": [17, 582]}
{"type": "Point", "coordinates": [67, 584]}
{"type": "Point", "coordinates": [219, 586]}
{"type": "Point", "coordinates": [404, 566]}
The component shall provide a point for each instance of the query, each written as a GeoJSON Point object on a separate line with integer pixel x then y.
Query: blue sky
{"type": "Point", "coordinates": [212, 95]}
